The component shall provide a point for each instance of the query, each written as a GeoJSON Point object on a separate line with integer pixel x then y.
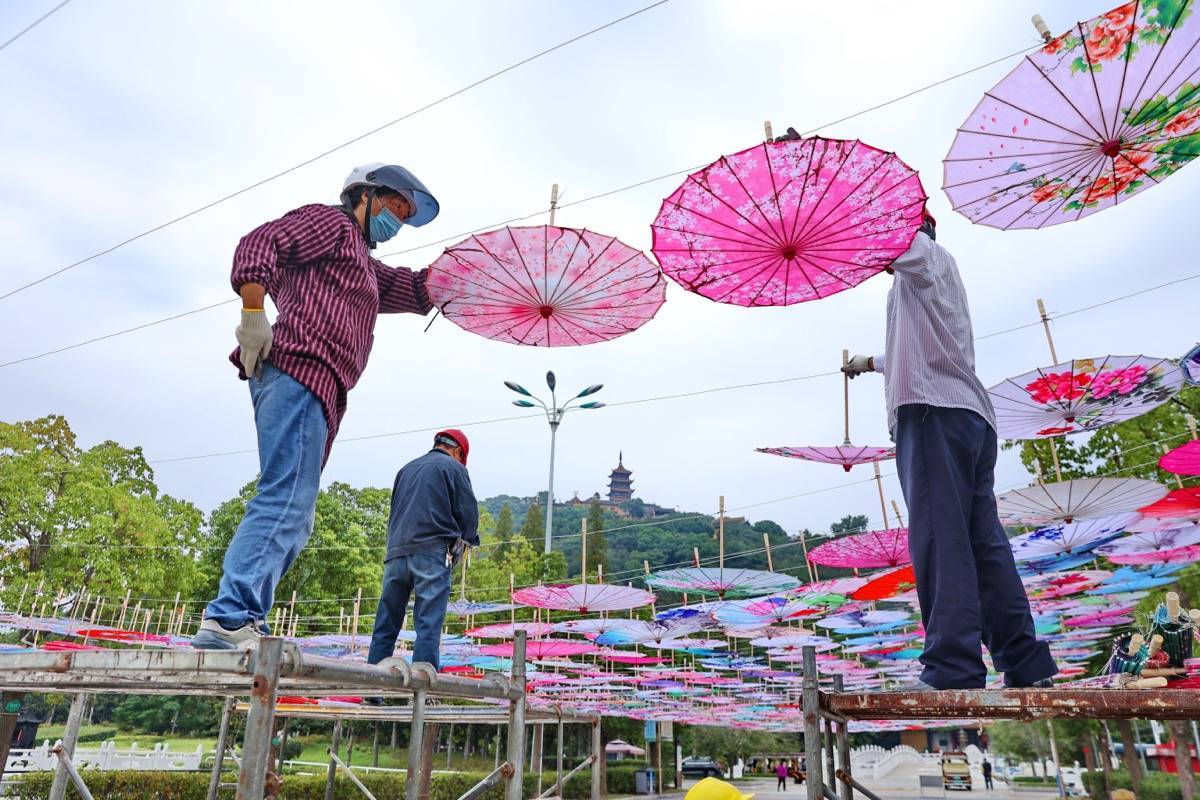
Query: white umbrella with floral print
{"type": "Point", "coordinates": [1082, 394]}
{"type": "Point", "coordinates": [1082, 498]}
{"type": "Point", "coordinates": [1109, 108]}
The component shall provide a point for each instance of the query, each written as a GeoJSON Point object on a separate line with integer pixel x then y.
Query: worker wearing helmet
{"type": "Point", "coordinates": [434, 518]}
{"type": "Point", "coordinates": [314, 263]}
{"type": "Point", "coordinates": [715, 789]}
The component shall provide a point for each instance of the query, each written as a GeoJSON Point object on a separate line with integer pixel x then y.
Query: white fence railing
{"type": "Point", "coordinates": [874, 762]}
{"type": "Point", "coordinates": [108, 756]}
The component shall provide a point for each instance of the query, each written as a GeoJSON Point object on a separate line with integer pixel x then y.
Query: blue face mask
{"type": "Point", "coordinates": [385, 225]}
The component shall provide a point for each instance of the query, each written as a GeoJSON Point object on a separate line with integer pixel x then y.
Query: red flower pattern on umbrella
{"type": "Point", "coordinates": [1059, 386]}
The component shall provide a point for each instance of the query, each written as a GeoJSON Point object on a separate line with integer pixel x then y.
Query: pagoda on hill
{"type": "Point", "coordinates": [620, 482]}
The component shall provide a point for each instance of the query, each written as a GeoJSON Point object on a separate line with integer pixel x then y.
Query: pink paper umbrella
{"type": "Point", "coordinates": [845, 456]}
{"type": "Point", "coordinates": [1177, 504]}
{"type": "Point", "coordinates": [542, 648]}
{"type": "Point", "coordinates": [1097, 115]}
{"type": "Point", "coordinates": [1151, 542]}
{"type": "Point", "coordinates": [1082, 395]}
{"type": "Point", "coordinates": [1180, 555]}
{"type": "Point", "coordinates": [546, 286]}
{"type": "Point", "coordinates": [788, 221]}
{"type": "Point", "coordinates": [505, 630]}
{"type": "Point", "coordinates": [885, 548]}
{"type": "Point", "coordinates": [583, 597]}
{"type": "Point", "coordinates": [1183, 460]}
{"type": "Point", "coordinates": [722, 581]}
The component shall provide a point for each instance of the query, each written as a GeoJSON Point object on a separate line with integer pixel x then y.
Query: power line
{"type": "Point", "coordinates": [331, 150]}
{"type": "Point", "coordinates": [32, 25]}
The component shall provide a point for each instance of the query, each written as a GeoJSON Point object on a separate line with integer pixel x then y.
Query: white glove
{"type": "Point", "coordinates": [254, 335]}
{"type": "Point", "coordinates": [857, 365]}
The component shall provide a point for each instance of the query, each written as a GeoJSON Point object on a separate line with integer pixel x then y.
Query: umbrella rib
{"type": "Point", "coordinates": [587, 290]}
{"type": "Point", "coordinates": [1062, 202]}
{"type": "Point", "coordinates": [524, 290]}
{"type": "Point", "coordinates": [1046, 120]}
{"type": "Point", "coordinates": [1082, 156]}
{"type": "Point", "coordinates": [765, 242]}
{"type": "Point", "coordinates": [882, 161]}
{"type": "Point", "coordinates": [1088, 193]}
{"type": "Point", "coordinates": [545, 239]}
{"type": "Point", "coordinates": [1026, 195]}
{"type": "Point", "coordinates": [812, 148]}
{"type": "Point", "coordinates": [1066, 149]}
{"type": "Point", "coordinates": [823, 239]}
{"type": "Point", "coordinates": [516, 288]}
{"type": "Point", "coordinates": [751, 262]}
{"type": "Point", "coordinates": [1125, 72]}
{"type": "Point", "coordinates": [832, 180]}
{"type": "Point", "coordinates": [758, 243]}
{"type": "Point", "coordinates": [494, 295]}
{"type": "Point", "coordinates": [1092, 74]}
{"type": "Point", "coordinates": [1072, 163]}
{"type": "Point", "coordinates": [829, 224]}
{"type": "Point", "coordinates": [767, 234]}
{"type": "Point", "coordinates": [551, 296]}
{"type": "Point", "coordinates": [1181, 100]}
{"type": "Point", "coordinates": [783, 230]}
{"type": "Point", "coordinates": [1174, 26]}
{"type": "Point", "coordinates": [779, 234]}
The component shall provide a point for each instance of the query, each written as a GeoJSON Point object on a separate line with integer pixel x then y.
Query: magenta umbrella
{"type": "Point", "coordinates": [788, 221]}
{"type": "Point", "coordinates": [1183, 460]}
{"type": "Point", "coordinates": [1097, 115]}
{"type": "Point", "coordinates": [505, 630]}
{"type": "Point", "coordinates": [546, 286]}
{"type": "Point", "coordinates": [542, 648]}
{"type": "Point", "coordinates": [583, 597]}
{"type": "Point", "coordinates": [845, 456]}
{"type": "Point", "coordinates": [885, 548]}
{"type": "Point", "coordinates": [1179, 555]}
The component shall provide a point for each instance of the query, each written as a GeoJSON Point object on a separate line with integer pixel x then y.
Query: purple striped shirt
{"type": "Point", "coordinates": [930, 351]}
{"type": "Point", "coordinates": [328, 290]}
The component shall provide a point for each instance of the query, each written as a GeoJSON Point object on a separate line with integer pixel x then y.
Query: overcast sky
{"type": "Point", "coordinates": [120, 115]}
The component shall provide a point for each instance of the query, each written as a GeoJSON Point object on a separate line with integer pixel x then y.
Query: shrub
{"type": "Point", "coordinates": [1155, 785]}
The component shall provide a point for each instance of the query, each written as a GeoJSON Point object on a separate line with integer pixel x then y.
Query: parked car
{"type": "Point", "coordinates": [701, 768]}
{"type": "Point", "coordinates": [956, 771]}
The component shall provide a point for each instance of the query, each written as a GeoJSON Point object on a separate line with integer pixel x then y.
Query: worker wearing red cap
{"type": "Point", "coordinates": [434, 518]}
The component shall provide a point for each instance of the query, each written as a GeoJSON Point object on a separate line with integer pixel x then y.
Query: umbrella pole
{"type": "Point", "coordinates": [553, 202]}
{"type": "Point", "coordinates": [653, 608]}
{"type": "Point", "coordinates": [899, 519]}
{"type": "Point", "coordinates": [721, 538]}
{"type": "Point", "coordinates": [882, 504]}
{"type": "Point", "coordinates": [1042, 29]}
{"type": "Point", "coordinates": [1178, 480]}
{"type": "Point", "coordinates": [768, 132]}
{"type": "Point", "coordinates": [812, 569]}
{"type": "Point", "coordinates": [1191, 423]}
{"type": "Point", "coordinates": [583, 553]}
{"type": "Point", "coordinates": [767, 547]}
{"type": "Point", "coordinates": [1046, 327]}
{"type": "Point", "coordinates": [512, 613]}
{"type": "Point", "coordinates": [846, 398]}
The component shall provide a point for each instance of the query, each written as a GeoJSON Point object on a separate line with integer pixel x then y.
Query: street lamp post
{"type": "Point", "coordinates": [554, 415]}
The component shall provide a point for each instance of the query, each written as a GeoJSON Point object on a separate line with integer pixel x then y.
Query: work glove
{"type": "Point", "coordinates": [254, 336]}
{"type": "Point", "coordinates": [857, 365]}
{"type": "Point", "coordinates": [457, 549]}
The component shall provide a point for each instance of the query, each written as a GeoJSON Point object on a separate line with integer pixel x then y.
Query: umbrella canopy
{"type": "Point", "coordinates": [864, 621]}
{"type": "Point", "coordinates": [637, 631]}
{"type": "Point", "coordinates": [722, 582]}
{"type": "Point", "coordinates": [888, 584]}
{"type": "Point", "coordinates": [1180, 555]}
{"type": "Point", "coordinates": [618, 746]}
{"type": "Point", "coordinates": [1082, 395]}
{"type": "Point", "coordinates": [763, 611]}
{"type": "Point", "coordinates": [1063, 584]}
{"type": "Point", "coordinates": [1183, 460]}
{"type": "Point", "coordinates": [1042, 566]}
{"type": "Point", "coordinates": [470, 608]}
{"type": "Point", "coordinates": [1069, 538]}
{"type": "Point", "coordinates": [583, 597]}
{"type": "Point", "coordinates": [506, 630]}
{"type": "Point", "coordinates": [546, 286]}
{"type": "Point", "coordinates": [1097, 115]}
{"type": "Point", "coordinates": [542, 648]}
{"type": "Point", "coordinates": [884, 548]}
{"type": "Point", "coordinates": [788, 221]}
{"type": "Point", "coordinates": [1178, 504]}
{"type": "Point", "coordinates": [845, 456]}
{"type": "Point", "coordinates": [1083, 498]}
{"type": "Point", "coordinates": [1140, 544]}
{"type": "Point", "coordinates": [1191, 366]}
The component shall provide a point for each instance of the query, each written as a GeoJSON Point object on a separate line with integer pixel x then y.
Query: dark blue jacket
{"type": "Point", "coordinates": [432, 506]}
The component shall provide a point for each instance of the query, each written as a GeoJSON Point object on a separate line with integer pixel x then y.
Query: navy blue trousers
{"type": "Point", "coordinates": [967, 581]}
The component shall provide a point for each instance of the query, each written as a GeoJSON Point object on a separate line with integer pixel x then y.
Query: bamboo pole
{"type": "Point", "coordinates": [721, 538]}
{"type": "Point", "coordinates": [553, 202]}
{"type": "Point", "coordinates": [767, 547]}
{"type": "Point", "coordinates": [846, 397]}
{"type": "Point", "coordinates": [1191, 423]}
{"type": "Point", "coordinates": [583, 552]}
{"type": "Point", "coordinates": [879, 486]}
{"type": "Point", "coordinates": [899, 518]}
{"type": "Point", "coordinates": [354, 624]}
{"type": "Point", "coordinates": [1054, 358]}
{"type": "Point", "coordinates": [812, 569]}
{"type": "Point", "coordinates": [124, 606]}
{"type": "Point", "coordinates": [768, 133]}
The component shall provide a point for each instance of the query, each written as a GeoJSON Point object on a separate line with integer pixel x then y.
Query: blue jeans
{"type": "Point", "coordinates": [426, 576]}
{"type": "Point", "coordinates": [279, 519]}
{"type": "Point", "coordinates": [967, 581]}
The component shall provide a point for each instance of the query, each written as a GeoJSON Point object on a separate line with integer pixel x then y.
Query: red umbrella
{"type": "Point", "coordinates": [1178, 504]}
{"type": "Point", "coordinates": [889, 584]}
{"type": "Point", "coordinates": [546, 286]}
{"type": "Point", "coordinates": [788, 221]}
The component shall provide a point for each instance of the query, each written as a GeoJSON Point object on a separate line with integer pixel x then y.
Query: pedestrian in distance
{"type": "Point", "coordinates": [781, 774]}
{"type": "Point", "coordinates": [944, 427]}
{"type": "Point", "coordinates": [434, 518]}
{"type": "Point", "coordinates": [987, 774]}
{"type": "Point", "coordinates": [315, 265]}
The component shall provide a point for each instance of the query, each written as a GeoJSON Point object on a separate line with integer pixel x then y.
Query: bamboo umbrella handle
{"type": "Point", "coordinates": [846, 397]}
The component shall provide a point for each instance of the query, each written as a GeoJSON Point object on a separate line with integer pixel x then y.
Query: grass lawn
{"type": "Point", "coordinates": [145, 741]}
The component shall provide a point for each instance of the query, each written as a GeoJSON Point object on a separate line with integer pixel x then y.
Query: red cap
{"type": "Point", "coordinates": [458, 436]}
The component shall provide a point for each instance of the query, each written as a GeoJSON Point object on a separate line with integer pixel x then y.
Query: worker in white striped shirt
{"type": "Point", "coordinates": [942, 421]}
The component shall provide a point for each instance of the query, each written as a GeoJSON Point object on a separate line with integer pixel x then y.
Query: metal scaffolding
{"type": "Point", "coordinates": [276, 666]}
{"type": "Point", "coordinates": [827, 756]}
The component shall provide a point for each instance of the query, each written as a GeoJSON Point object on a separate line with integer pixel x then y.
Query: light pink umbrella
{"type": "Point", "coordinates": [721, 581]}
{"type": "Point", "coordinates": [1150, 543]}
{"type": "Point", "coordinates": [1180, 555]}
{"type": "Point", "coordinates": [884, 548]}
{"type": "Point", "coordinates": [845, 456]}
{"type": "Point", "coordinates": [1104, 111]}
{"type": "Point", "coordinates": [542, 648]}
{"type": "Point", "coordinates": [583, 597]}
{"type": "Point", "coordinates": [788, 221]}
{"type": "Point", "coordinates": [505, 630]}
{"type": "Point", "coordinates": [546, 286]}
{"type": "Point", "coordinates": [1183, 460]}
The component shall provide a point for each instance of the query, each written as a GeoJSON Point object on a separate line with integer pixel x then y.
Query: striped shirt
{"type": "Point", "coordinates": [328, 290]}
{"type": "Point", "coordinates": [929, 357]}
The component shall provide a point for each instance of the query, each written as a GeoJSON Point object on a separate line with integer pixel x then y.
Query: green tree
{"type": "Point", "coordinates": [504, 528]}
{"type": "Point", "coordinates": [533, 530]}
{"type": "Point", "coordinates": [851, 523]}
{"type": "Point", "coordinates": [1021, 741]}
{"type": "Point", "coordinates": [597, 543]}
{"type": "Point", "coordinates": [89, 518]}
{"type": "Point", "coordinates": [344, 553]}
{"type": "Point", "coordinates": [182, 715]}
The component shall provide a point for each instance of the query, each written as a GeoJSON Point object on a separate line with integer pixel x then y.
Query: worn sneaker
{"type": "Point", "coordinates": [212, 636]}
{"type": "Point", "coordinates": [916, 686]}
